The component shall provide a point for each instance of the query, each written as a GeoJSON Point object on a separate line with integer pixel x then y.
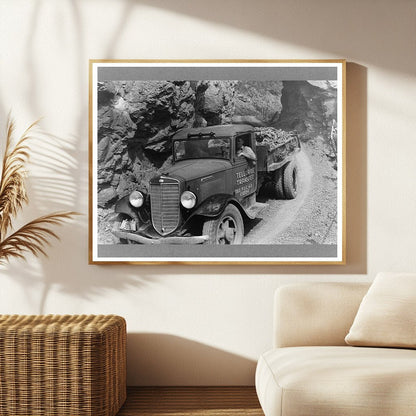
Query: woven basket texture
{"type": "Point", "coordinates": [53, 365]}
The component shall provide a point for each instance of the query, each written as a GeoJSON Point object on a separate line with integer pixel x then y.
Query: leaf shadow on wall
{"type": "Point", "coordinates": [53, 187]}
{"type": "Point", "coordinates": [163, 359]}
{"type": "Point", "coordinates": [58, 180]}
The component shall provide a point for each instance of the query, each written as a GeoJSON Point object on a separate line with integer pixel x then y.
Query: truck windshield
{"type": "Point", "coordinates": [201, 148]}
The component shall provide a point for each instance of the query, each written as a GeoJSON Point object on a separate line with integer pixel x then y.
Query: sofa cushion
{"type": "Point", "coordinates": [315, 314]}
{"type": "Point", "coordinates": [387, 314]}
{"type": "Point", "coordinates": [342, 381]}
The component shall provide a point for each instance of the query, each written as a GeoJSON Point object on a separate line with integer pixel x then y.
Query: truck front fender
{"type": "Point", "coordinates": [214, 205]}
{"type": "Point", "coordinates": [123, 207]}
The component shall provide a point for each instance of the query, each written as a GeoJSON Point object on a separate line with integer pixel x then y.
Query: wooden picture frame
{"type": "Point", "coordinates": [217, 162]}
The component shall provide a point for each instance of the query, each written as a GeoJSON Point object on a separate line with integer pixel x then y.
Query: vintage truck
{"type": "Point", "coordinates": [210, 189]}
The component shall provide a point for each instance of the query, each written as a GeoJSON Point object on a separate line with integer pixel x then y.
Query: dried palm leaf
{"type": "Point", "coordinates": [33, 237]}
{"type": "Point", "coordinates": [12, 183]}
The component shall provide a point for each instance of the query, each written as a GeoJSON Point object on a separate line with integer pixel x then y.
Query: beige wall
{"type": "Point", "coordinates": [200, 324]}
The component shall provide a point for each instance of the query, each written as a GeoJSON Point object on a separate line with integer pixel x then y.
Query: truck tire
{"type": "Point", "coordinates": [228, 228]}
{"type": "Point", "coordinates": [290, 179]}
{"type": "Point", "coordinates": [278, 184]}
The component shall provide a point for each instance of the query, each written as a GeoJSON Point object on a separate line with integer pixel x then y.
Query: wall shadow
{"type": "Point", "coordinates": [335, 27]}
{"type": "Point", "coordinates": [168, 360]}
{"type": "Point", "coordinates": [58, 180]}
{"type": "Point", "coordinates": [53, 185]}
{"type": "Point", "coordinates": [356, 189]}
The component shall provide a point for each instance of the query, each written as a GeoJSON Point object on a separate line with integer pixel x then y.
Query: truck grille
{"type": "Point", "coordinates": [164, 201]}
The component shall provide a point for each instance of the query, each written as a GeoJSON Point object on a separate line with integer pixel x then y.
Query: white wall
{"type": "Point", "coordinates": [204, 324]}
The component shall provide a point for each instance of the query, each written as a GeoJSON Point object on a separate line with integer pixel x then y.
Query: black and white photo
{"type": "Point", "coordinates": [217, 162]}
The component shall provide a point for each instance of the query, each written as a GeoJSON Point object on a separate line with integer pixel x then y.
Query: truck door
{"type": "Point", "coordinates": [244, 170]}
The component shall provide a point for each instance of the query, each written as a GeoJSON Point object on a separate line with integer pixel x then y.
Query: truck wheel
{"type": "Point", "coordinates": [228, 228]}
{"type": "Point", "coordinates": [290, 179]}
{"type": "Point", "coordinates": [278, 184]}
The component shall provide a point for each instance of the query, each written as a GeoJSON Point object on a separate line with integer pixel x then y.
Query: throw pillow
{"type": "Point", "coordinates": [387, 314]}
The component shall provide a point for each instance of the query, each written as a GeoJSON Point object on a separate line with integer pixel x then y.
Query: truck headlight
{"type": "Point", "coordinates": [188, 199]}
{"type": "Point", "coordinates": [136, 199]}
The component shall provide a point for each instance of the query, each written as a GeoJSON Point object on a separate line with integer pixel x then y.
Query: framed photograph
{"type": "Point", "coordinates": [217, 162]}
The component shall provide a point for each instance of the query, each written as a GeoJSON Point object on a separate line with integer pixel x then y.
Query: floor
{"type": "Point", "coordinates": [187, 401]}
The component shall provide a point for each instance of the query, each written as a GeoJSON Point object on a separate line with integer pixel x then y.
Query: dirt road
{"type": "Point", "coordinates": [310, 217]}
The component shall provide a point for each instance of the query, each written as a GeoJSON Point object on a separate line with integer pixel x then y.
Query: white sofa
{"type": "Point", "coordinates": [311, 371]}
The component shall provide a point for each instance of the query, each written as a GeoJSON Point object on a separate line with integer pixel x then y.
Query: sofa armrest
{"type": "Point", "coordinates": [315, 313]}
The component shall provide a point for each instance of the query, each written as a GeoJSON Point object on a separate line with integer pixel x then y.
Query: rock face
{"type": "Point", "coordinates": [308, 107]}
{"type": "Point", "coordinates": [259, 100]}
{"type": "Point", "coordinates": [137, 119]}
{"type": "Point", "coordinates": [214, 102]}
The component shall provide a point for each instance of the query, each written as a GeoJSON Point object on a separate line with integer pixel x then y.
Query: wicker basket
{"type": "Point", "coordinates": [71, 365]}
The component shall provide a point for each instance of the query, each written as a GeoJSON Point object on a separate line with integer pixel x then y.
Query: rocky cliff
{"type": "Point", "coordinates": [137, 119]}
{"type": "Point", "coordinates": [308, 107]}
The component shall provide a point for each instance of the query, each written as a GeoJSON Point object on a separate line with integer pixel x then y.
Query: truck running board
{"type": "Point", "coordinates": [256, 209]}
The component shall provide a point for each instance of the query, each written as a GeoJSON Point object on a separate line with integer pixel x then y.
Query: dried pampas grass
{"type": "Point", "coordinates": [34, 236]}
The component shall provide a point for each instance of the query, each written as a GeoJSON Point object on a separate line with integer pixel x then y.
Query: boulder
{"type": "Point", "coordinates": [259, 99]}
{"type": "Point", "coordinates": [105, 196]}
{"type": "Point", "coordinates": [214, 102]}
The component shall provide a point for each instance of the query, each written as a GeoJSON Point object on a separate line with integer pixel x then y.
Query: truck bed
{"type": "Point", "coordinates": [275, 148]}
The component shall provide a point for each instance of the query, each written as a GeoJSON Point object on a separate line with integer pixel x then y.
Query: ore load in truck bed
{"type": "Point", "coordinates": [280, 145]}
{"type": "Point", "coordinates": [272, 137]}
